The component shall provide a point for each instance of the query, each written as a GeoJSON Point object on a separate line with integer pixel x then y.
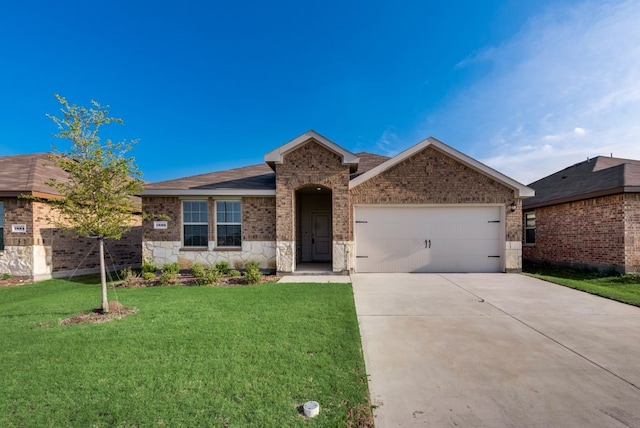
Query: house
{"type": "Point", "coordinates": [428, 209]}
{"type": "Point", "coordinates": [586, 215]}
{"type": "Point", "coordinates": [30, 246]}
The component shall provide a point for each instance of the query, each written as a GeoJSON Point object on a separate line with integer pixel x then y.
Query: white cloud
{"type": "Point", "coordinates": [567, 87]}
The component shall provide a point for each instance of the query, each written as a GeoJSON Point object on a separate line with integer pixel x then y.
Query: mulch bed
{"type": "Point", "coordinates": [97, 316]}
{"type": "Point", "coordinates": [11, 281]}
{"type": "Point", "coordinates": [189, 280]}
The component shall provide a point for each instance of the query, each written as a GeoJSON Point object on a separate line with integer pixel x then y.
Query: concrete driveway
{"type": "Point", "coordinates": [496, 350]}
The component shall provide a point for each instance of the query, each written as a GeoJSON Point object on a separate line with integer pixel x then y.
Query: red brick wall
{"type": "Point", "coordinates": [433, 177]}
{"type": "Point", "coordinates": [632, 232]}
{"type": "Point", "coordinates": [154, 208]}
{"type": "Point", "coordinates": [258, 219]}
{"type": "Point", "coordinates": [589, 232]}
{"type": "Point", "coordinates": [70, 252]}
{"type": "Point", "coordinates": [18, 211]}
{"type": "Point", "coordinates": [312, 164]}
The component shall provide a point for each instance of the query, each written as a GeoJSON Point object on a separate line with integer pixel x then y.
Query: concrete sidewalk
{"type": "Point", "coordinates": [316, 278]}
{"type": "Point", "coordinates": [496, 350]}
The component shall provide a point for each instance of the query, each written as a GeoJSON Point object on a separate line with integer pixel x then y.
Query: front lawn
{"type": "Point", "coordinates": [190, 356]}
{"type": "Point", "coordinates": [623, 288]}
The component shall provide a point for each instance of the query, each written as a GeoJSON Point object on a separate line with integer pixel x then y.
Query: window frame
{"type": "Point", "coordinates": [194, 223]}
{"type": "Point", "coordinates": [220, 224]}
{"type": "Point", "coordinates": [528, 227]}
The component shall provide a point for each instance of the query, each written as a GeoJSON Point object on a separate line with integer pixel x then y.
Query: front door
{"type": "Point", "coordinates": [321, 237]}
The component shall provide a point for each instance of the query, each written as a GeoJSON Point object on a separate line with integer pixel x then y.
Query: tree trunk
{"type": "Point", "coordinates": [103, 279]}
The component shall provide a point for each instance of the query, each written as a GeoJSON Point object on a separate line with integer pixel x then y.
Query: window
{"type": "Point", "coordinates": [228, 224]}
{"type": "Point", "coordinates": [530, 227]}
{"type": "Point", "coordinates": [195, 223]}
{"type": "Point", "coordinates": [1, 226]}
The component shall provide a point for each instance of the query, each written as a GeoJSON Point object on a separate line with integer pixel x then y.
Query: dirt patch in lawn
{"type": "Point", "coordinates": [97, 316]}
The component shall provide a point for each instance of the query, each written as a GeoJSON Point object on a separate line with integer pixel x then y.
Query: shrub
{"type": "Point", "coordinates": [233, 273]}
{"type": "Point", "coordinates": [168, 278]}
{"type": "Point", "coordinates": [197, 270]}
{"type": "Point", "coordinates": [130, 278]}
{"type": "Point", "coordinates": [148, 275]}
{"type": "Point", "coordinates": [5, 276]}
{"type": "Point", "coordinates": [171, 267]}
{"type": "Point", "coordinates": [252, 274]}
{"type": "Point", "coordinates": [148, 266]}
{"type": "Point", "coordinates": [222, 267]}
{"type": "Point", "coordinates": [169, 274]}
{"type": "Point", "coordinates": [205, 276]}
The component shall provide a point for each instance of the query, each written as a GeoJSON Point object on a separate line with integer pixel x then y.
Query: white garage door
{"type": "Point", "coordinates": [429, 239]}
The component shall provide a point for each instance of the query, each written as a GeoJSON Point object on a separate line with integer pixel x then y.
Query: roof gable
{"type": "Point", "coordinates": [521, 190]}
{"type": "Point", "coordinates": [276, 156]}
{"type": "Point", "coordinates": [594, 177]}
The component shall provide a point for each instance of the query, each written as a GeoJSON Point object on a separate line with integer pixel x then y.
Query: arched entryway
{"type": "Point", "coordinates": [314, 228]}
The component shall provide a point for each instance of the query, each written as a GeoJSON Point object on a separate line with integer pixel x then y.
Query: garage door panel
{"type": "Point", "coordinates": [428, 239]}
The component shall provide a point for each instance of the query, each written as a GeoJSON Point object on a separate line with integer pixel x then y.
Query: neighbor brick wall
{"type": "Point", "coordinates": [589, 232]}
{"type": "Point", "coordinates": [18, 211]}
{"type": "Point", "coordinates": [433, 177]}
{"type": "Point", "coordinates": [632, 232]}
{"type": "Point", "coordinates": [312, 164]}
{"type": "Point", "coordinates": [69, 252]}
{"type": "Point", "coordinates": [258, 219]}
{"type": "Point", "coordinates": [154, 208]}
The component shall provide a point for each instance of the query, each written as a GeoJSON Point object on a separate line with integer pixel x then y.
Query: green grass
{"type": "Point", "coordinates": [623, 288]}
{"type": "Point", "coordinates": [190, 356]}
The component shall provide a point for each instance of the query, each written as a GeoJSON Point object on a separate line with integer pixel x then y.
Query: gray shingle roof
{"type": "Point", "coordinates": [368, 161]}
{"type": "Point", "coordinates": [594, 177]}
{"type": "Point", "coordinates": [253, 177]}
{"type": "Point", "coordinates": [27, 174]}
{"type": "Point", "coordinates": [259, 177]}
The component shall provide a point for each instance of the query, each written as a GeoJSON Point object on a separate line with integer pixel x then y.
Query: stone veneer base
{"type": "Point", "coordinates": [162, 252]}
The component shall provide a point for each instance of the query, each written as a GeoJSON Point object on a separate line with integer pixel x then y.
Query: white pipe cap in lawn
{"type": "Point", "coordinates": [311, 409]}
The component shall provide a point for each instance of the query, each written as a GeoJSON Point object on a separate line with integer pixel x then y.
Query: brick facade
{"type": "Point", "coordinates": [278, 229]}
{"type": "Point", "coordinates": [632, 232]}
{"type": "Point", "coordinates": [49, 251]}
{"type": "Point", "coordinates": [312, 164]}
{"type": "Point", "coordinates": [590, 232]}
{"type": "Point", "coordinates": [161, 208]}
{"type": "Point", "coordinates": [432, 177]}
{"type": "Point", "coordinates": [258, 219]}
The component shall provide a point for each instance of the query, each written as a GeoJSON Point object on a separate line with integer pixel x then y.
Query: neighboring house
{"type": "Point", "coordinates": [587, 215]}
{"type": "Point", "coordinates": [428, 209]}
{"type": "Point", "coordinates": [30, 246]}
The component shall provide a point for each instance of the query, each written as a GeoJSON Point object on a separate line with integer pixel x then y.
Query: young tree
{"type": "Point", "coordinates": [97, 199]}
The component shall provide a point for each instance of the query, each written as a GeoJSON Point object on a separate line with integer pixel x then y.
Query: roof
{"type": "Point", "coordinates": [521, 190]}
{"type": "Point", "coordinates": [27, 174]}
{"type": "Point", "coordinates": [259, 180]}
{"type": "Point", "coordinates": [254, 180]}
{"type": "Point", "coordinates": [599, 176]}
{"type": "Point", "coordinates": [368, 161]}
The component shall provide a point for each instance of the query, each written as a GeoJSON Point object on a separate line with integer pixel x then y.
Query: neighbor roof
{"type": "Point", "coordinates": [27, 174]}
{"type": "Point", "coordinates": [599, 176]}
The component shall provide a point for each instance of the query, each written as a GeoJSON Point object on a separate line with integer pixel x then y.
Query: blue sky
{"type": "Point", "coordinates": [527, 87]}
